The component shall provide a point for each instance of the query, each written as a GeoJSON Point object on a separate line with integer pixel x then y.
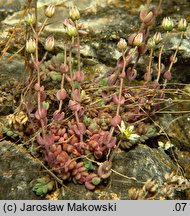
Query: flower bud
{"type": "Point", "coordinates": [157, 38]}
{"type": "Point", "coordinates": [151, 44]}
{"type": "Point", "coordinates": [167, 24]}
{"type": "Point", "coordinates": [30, 19]}
{"type": "Point", "coordinates": [142, 49]}
{"type": "Point", "coordinates": [122, 44]}
{"type": "Point", "coordinates": [74, 13]}
{"type": "Point", "coordinates": [182, 25]}
{"type": "Point", "coordinates": [146, 17]}
{"type": "Point", "coordinates": [138, 39]}
{"type": "Point", "coordinates": [50, 10]}
{"type": "Point", "coordinates": [49, 44]}
{"type": "Point", "coordinates": [31, 45]}
{"type": "Point", "coordinates": [71, 30]}
{"type": "Point", "coordinates": [131, 39]}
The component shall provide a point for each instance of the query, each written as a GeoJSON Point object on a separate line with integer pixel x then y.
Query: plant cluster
{"type": "Point", "coordinates": [155, 191]}
{"type": "Point", "coordinates": [87, 126]}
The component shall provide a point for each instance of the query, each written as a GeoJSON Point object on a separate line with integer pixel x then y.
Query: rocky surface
{"type": "Point", "coordinates": [141, 163]}
{"type": "Point", "coordinates": [17, 172]}
{"type": "Point", "coordinates": [12, 68]}
{"type": "Point", "coordinates": [106, 23]}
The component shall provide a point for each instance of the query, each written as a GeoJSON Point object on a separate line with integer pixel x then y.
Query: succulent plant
{"type": "Point", "coordinates": [43, 185]}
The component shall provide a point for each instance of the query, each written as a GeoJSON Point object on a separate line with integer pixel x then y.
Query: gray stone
{"type": "Point", "coordinates": [17, 172]}
{"type": "Point", "coordinates": [141, 163]}
{"type": "Point", "coordinates": [12, 67]}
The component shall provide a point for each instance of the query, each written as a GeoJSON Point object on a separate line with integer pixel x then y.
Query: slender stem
{"type": "Point", "coordinates": [120, 94]}
{"type": "Point", "coordinates": [121, 83]}
{"type": "Point", "coordinates": [63, 76]}
{"type": "Point", "coordinates": [160, 57]}
{"type": "Point", "coordinates": [159, 5]}
{"type": "Point", "coordinates": [78, 54]}
{"type": "Point", "coordinates": [72, 81]}
{"type": "Point", "coordinates": [36, 16]}
{"type": "Point", "coordinates": [42, 27]}
{"type": "Point", "coordinates": [78, 46]}
{"type": "Point", "coordinates": [37, 66]}
{"type": "Point", "coordinates": [150, 64]}
{"type": "Point", "coordinates": [70, 65]}
{"type": "Point", "coordinates": [174, 57]}
{"type": "Point", "coordinates": [159, 63]}
{"type": "Point", "coordinates": [176, 51]}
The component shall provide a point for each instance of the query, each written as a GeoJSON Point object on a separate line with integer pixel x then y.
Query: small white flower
{"type": "Point", "coordinates": [134, 137]}
{"type": "Point", "coordinates": [128, 132]}
{"type": "Point", "coordinates": [166, 145]}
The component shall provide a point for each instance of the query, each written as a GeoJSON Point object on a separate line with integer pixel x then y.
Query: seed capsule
{"type": "Point", "coordinates": [50, 10]}
{"type": "Point", "coordinates": [138, 39]}
{"type": "Point", "coordinates": [74, 13]}
{"type": "Point", "coordinates": [49, 44]}
{"type": "Point", "coordinates": [157, 38]}
{"type": "Point", "coordinates": [122, 44]}
{"type": "Point", "coordinates": [30, 45]}
{"type": "Point", "coordinates": [30, 19]}
{"type": "Point", "coordinates": [167, 24]}
{"type": "Point", "coordinates": [182, 25]}
{"type": "Point", "coordinates": [71, 30]}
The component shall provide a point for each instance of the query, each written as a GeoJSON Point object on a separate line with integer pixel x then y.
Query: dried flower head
{"type": "Point", "coordinates": [71, 30]}
{"type": "Point", "coordinates": [167, 24]}
{"type": "Point", "coordinates": [50, 10]}
{"type": "Point", "coordinates": [151, 45]}
{"type": "Point", "coordinates": [182, 25]}
{"type": "Point", "coordinates": [157, 38]}
{"type": "Point", "coordinates": [138, 39]}
{"type": "Point", "coordinates": [49, 44]}
{"type": "Point", "coordinates": [122, 44]}
{"type": "Point", "coordinates": [31, 45]}
{"type": "Point", "coordinates": [30, 19]}
{"type": "Point", "coordinates": [74, 13]}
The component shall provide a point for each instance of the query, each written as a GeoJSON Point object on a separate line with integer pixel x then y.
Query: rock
{"type": "Point", "coordinates": [17, 171]}
{"type": "Point", "coordinates": [11, 4]}
{"type": "Point", "coordinates": [177, 127]}
{"type": "Point", "coordinates": [141, 163]}
{"type": "Point", "coordinates": [144, 163]}
{"type": "Point", "coordinates": [106, 22]}
{"type": "Point", "coordinates": [12, 68]}
{"type": "Point", "coordinates": [183, 158]}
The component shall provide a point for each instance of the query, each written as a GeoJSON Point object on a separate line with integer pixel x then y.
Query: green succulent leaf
{"type": "Point", "coordinates": [45, 105]}
{"type": "Point", "coordinates": [88, 165]}
{"type": "Point", "coordinates": [43, 186]}
{"type": "Point", "coordinates": [104, 82]}
{"type": "Point", "coordinates": [55, 76]}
